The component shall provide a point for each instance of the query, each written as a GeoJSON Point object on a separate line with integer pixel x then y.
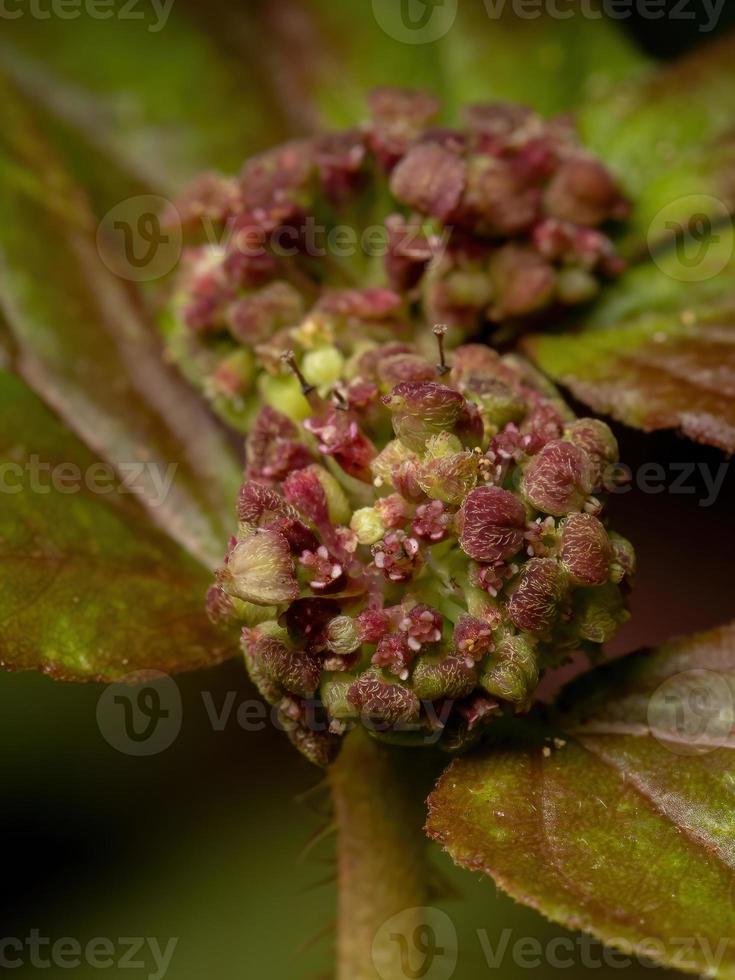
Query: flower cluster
{"type": "Point", "coordinates": [369, 234]}
{"type": "Point", "coordinates": [416, 547]}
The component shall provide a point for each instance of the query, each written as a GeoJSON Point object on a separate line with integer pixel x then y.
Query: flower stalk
{"type": "Point", "coordinates": [382, 856]}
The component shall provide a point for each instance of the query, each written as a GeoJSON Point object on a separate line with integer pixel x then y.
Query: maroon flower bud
{"type": "Point", "coordinates": [276, 185]}
{"type": "Point", "coordinates": [497, 200]}
{"type": "Point", "coordinates": [491, 523]}
{"type": "Point", "coordinates": [583, 191]}
{"type": "Point", "coordinates": [398, 115]}
{"type": "Point", "coordinates": [253, 318]}
{"type": "Point", "coordinates": [524, 282]}
{"type": "Point", "coordinates": [432, 521]}
{"type": "Point", "coordinates": [305, 491]}
{"type": "Point", "coordinates": [585, 550]}
{"type": "Point", "coordinates": [597, 440]}
{"type": "Point", "coordinates": [273, 447]}
{"type": "Point", "coordinates": [494, 122]}
{"type": "Point", "coordinates": [405, 367]}
{"type": "Point", "coordinates": [394, 654]}
{"type": "Point", "coordinates": [397, 556]}
{"type": "Point", "coordinates": [421, 410]}
{"type": "Point", "coordinates": [429, 179]}
{"type": "Point", "coordinates": [472, 638]}
{"type": "Point", "coordinates": [409, 252]}
{"type": "Point", "coordinates": [259, 505]}
{"type": "Point", "coordinates": [382, 701]}
{"type": "Point", "coordinates": [559, 479]}
{"type": "Point", "coordinates": [533, 605]}
{"type": "Point", "coordinates": [372, 303]}
{"type": "Point", "coordinates": [295, 670]}
{"type": "Point", "coordinates": [340, 158]}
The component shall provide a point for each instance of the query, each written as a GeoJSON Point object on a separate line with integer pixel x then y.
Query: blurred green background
{"type": "Point", "coordinates": [209, 841]}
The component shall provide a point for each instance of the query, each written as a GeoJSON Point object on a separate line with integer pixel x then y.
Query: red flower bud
{"type": "Point", "coordinates": [491, 524]}
{"type": "Point", "coordinates": [273, 449]}
{"type": "Point", "coordinates": [295, 670]}
{"type": "Point", "coordinates": [559, 479]}
{"type": "Point", "coordinates": [382, 701]}
{"type": "Point", "coordinates": [421, 410]}
{"type": "Point", "coordinates": [533, 605]}
{"type": "Point", "coordinates": [429, 179]}
{"type": "Point", "coordinates": [253, 318]}
{"type": "Point", "coordinates": [585, 549]}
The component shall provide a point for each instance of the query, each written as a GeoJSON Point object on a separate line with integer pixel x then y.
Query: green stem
{"type": "Point", "coordinates": [378, 794]}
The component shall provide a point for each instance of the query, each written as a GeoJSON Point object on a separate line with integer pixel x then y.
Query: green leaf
{"type": "Point", "coordinates": [669, 138]}
{"type": "Point", "coordinates": [657, 352]}
{"type": "Point", "coordinates": [149, 92]}
{"type": "Point", "coordinates": [466, 52]}
{"type": "Point", "coordinates": [90, 589]}
{"type": "Point", "coordinates": [83, 345]}
{"type": "Point", "coordinates": [620, 822]}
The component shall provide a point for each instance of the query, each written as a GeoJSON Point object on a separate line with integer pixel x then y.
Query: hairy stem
{"type": "Point", "coordinates": [379, 793]}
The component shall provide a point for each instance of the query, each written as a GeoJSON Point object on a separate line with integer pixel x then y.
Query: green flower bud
{"type": "Point", "coordinates": [367, 525]}
{"type": "Point", "coordinates": [333, 692]}
{"type": "Point", "coordinates": [260, 569]}
{"type": "Point", "coordinates": [513, 669]}
{"type": "Point", "coordinates": [599, 612]}
{"type": "Point", "coordinates": [342, 635]}
{"type": "Point", "coordinates": [438, 676]}
{"type": "Point", "coordinates": [323, 367]}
